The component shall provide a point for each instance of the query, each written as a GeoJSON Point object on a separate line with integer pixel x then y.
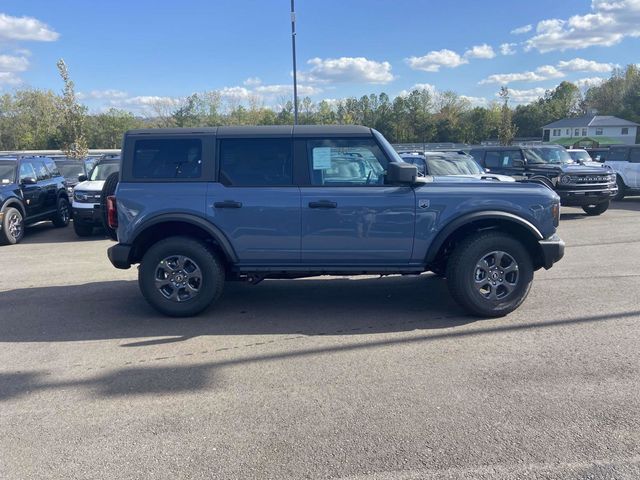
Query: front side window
{"type": "Point", "coordinates": [167, 158]}
{"type": "Point", "coordinates": [547, 155]}
{"type": "Point", "coordinates": [256, 162]}
{"type": "Point", "coordinates": [346, 162]}
{"type": "Point", "coordinates": [502, 158]}
{"type": "Point", "coordinates": [41, 171]}
{"type": "Point", "coordinates": [27, 171]}
{"type": "Point", "coordinates": [456, 165]}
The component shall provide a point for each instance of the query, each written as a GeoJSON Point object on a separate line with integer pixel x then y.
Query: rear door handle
{"type": "Point", "coordinates": [323, 204]}
{"type": "Point", "coordinates": [227, 204]}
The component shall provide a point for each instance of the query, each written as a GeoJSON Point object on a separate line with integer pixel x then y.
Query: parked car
{"type": "Point", "coordinates": [71, 170]}
{"type": "Point", "coordinates": [196, 207]}
{"type": "Point", "coordinates": [87, 213]}
{"type": "Point", "coordinates": [31, 190]}
{"type": "Point", "coordinates": [579, 155]}
{"type": "Point", "coordinates": [625, 162]}
{"type": "Point", "coordinates": [598, 154]}
{"type": "Point", "coordinates": [587, 186]}
{"type": "Point", "coordinates": [456, 164]}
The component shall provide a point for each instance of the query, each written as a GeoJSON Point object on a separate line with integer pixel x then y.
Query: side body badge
{"type": "Point", "coordinates": [423, 203]}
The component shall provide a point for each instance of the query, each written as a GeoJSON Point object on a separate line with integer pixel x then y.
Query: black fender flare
{"type": "Point", "coordinates": [542, 180]}
{"type": "Point", "coordinates": [194, 220]}
{"type": "Point", "coordinates": [467, 218]}
{"type": "Point", "coordinates": [15, 203]}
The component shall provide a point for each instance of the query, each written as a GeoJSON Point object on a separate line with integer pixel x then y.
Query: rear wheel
{"type": "Point", "coordinates": [594, 210]}
{"type": "Point", "coordinates": [82, 230]}
{"type": "Point", "coordinates": [108, 189]}
{"type": "Point", "coordinates": [63, 213]}
{"type": "Point", "coordinates": [490, 274]}
{"type": "Point", "coordinates": [12, 226]}
{"type": "Point", "coordinates": [180, 276]}
{"type": "Point", "coordinates": [622, 188]}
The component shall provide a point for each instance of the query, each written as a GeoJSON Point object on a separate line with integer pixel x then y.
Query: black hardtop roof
{"type": "Point", "coordinates": [261, 131]}
{"type": "Point", "coordinates": [15, 158]}
{"type": "Point", "coordinates": [511, 147]}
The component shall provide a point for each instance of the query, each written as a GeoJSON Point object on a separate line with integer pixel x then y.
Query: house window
{"type": "Point", "coordinates": [599, 131]}
{"type": "Point", "coordinates": [584, 132]}
{"type": "Point", "coordinates": [568, 132]}
{"type": "Point", "coordinates": [576, 132]}
{"type": "Point", "coordinates": [625, 131]}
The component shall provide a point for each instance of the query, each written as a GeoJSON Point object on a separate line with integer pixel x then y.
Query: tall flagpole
{"type": "Point", "coordinates": [293, 46]}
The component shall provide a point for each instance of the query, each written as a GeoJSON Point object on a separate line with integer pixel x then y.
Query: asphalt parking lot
{"type": "Point", "coordinates": [360, 378]}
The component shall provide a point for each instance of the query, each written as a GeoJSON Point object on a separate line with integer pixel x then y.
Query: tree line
{"type": "Point", "coordinates": [43, 119]}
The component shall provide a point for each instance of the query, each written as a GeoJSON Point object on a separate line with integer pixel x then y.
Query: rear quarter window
{"type": "Point", "coordinates": [634, 155]}
{"type": "Point", "coordinates": [617, 155]}
{"type": "Point", "coordinates": [167, 158]}
{"type": "Point", "coordinates": [478, 156]}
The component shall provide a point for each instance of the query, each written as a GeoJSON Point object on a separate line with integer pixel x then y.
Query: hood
{"type": "Point", "coordinates": [482, 178]}
{"type": "Point", "coordinates": [90, 186]}
{"type": "Point", "coordinates": [590, 168]}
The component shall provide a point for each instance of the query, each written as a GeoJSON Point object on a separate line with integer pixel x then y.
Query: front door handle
{"type": "Point", "coordinates": [227, 204]}
{"type": "Point", "coordinates": [323, 204]}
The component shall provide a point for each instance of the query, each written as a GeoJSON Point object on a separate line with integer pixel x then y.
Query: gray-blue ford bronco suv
{"type": "Point", "coordinates": [197, 207]}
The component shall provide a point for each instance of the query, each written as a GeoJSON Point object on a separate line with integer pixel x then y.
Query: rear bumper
{"type": "Point", "coordinates": [119, 255]}
{"type": "Point", "coordinates": [552, 250]}
{"type": "Point", "coordinates": [580, 198]}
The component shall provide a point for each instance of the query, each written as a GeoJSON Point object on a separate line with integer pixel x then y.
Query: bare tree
{"type": "Point", "coordinates": [72, 136]}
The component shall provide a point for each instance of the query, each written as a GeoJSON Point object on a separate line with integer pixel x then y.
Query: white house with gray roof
{"type": "Point", "coordinates": [611, 130]}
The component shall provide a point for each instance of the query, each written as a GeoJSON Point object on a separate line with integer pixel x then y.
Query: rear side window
{"type": "Point", "coordinates": [51, 166]}
{"type": "Point", "coordinates": [634, 157]}
{"type": "Point", "coordinates": [617, 155]}
{"type": "Point", "coordinates": [256, 162]}
{"type": "Point", "coordinates": [501, 158]}
{"type": "Point", "coordinates": [167, 158]}
{"type": "Point", "coordinates": [477, 155]}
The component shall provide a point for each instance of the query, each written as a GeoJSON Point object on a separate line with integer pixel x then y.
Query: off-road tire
{"type": "Point", "coordinates": [63, 213]}
{"type": "Point", "coordinates": [622, 188]}
{"type": "Point", "coordinates": [108, 189]}
{"type": "Point", "coordinates": [10, 215]}
{"type": "Point", "coordinates": [596, 210]}
{"type": "Point", "coordinates": [461, 273]}
{"type": "Point", "coordinates": [209, 264]}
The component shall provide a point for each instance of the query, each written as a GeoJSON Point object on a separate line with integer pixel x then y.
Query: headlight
{"type": "Point", "coordinates": [612, 178]}
{"type": "Point", "coordinates": [80, 196]}
{"type": "Point", "coordinates": [565, 179]}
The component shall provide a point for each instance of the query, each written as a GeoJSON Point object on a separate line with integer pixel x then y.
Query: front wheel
{"type": "Point", "coordinates": [594, 210]}
{"type": "Point", "coordinates": [490, 274]}
{"type": "Point", "coordinates": [12, 228]}
{"type": "Point", "coordinates": [82, 230]}
{"type": "Point", "coordinates": [622, 188]}
{"type": "Point", "coordinates": [63, 213]}
{"type": "Point", "coordinates": [180, 276]}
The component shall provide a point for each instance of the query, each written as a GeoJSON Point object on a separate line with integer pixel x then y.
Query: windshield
{"type": "Point", "coordinates": [453, 165]}
{"type": "Point", "coordinates": [7, 172]}
{"type": "Point", "coordinates": [103, 170]}
{"type": "Point", "coordinates": [580, 156]}
{"type": "Point", "coordinates": [548, 155]}
{"type": "Point", "coordinates": [70, 171]}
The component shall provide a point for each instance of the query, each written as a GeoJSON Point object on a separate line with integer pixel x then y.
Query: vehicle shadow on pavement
{"type": "Point", "coordinates": [117, 310]}
{"type": "Point", "coordinates": [45, 232]}
{"type": "Point", "coordinates": [153, 380]}
{"type": "Point", "coordinates": [627, 203]}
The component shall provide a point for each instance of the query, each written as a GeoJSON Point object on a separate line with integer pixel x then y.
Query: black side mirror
{"type": "Point", "coordinates": [28, 181]}
{"type": "Point", "coordinates": [518, 163]}
{"type": "Point", "coordinates": [401, 173]}
{"type": "Point", "coordinates": [82, 178]}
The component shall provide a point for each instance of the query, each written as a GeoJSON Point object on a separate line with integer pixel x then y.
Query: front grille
{"type": "Point", "coordinates": [86, 197]}
{"type": "Point", "coordinates": [589, 179]}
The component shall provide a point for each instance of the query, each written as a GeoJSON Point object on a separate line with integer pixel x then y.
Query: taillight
{"type": "Point", "coordinates": [112, 212]}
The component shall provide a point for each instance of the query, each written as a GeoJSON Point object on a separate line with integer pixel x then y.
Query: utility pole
{"type": "Point", "coordinates": [293, 46]}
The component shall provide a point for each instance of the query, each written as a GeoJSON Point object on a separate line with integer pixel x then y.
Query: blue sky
{"type": "Point", "coordinates": [130, 54]}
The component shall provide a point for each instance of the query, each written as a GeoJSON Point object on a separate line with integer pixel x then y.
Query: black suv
{"type": "Point", "coordinates": [589, 187]}
{"type": "Point", "coordinates": [31, 190]}
{"type": "Point", "coordinates": [71, 170]}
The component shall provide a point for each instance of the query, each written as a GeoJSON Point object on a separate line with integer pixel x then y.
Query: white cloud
{"type": "Point", "coordinates": [547, 72]}
{"type": "Point", "coordinates": [25, 28]}
{"type": "Point", "coordinates": [347, 70]}
{"type": "Point", "coordinates": [434, 60]}
{"type": "Point", "coordinates": [110, 94]}
{"type": "Point", "coordinates": [252, 81]}
{"type": "Point", "coordinates": [281, 89]}
{"type": "Point", "coordinates": [475, 101]}
{"type": "Point", "coordinates": [609, 22]}
{"type": "Point", "coordinates": [525, 96]}
{"type": "Point", "coordinates": [589, 82]}
{"type": "Point", "coordinates": [582, 65]}
{"type": "Point", "coordinates": [9, 78]}
{"type": "Point", "coordinates": [480, 51]}
{"type": "Point", "coordinates": [419, 86]}
{"type": "Point", "coordinates": [542, 73]}
{"type": "Point", "coordinates": [521, 30]}
{"type": "Point", "coordinates": [9, 63]}
{"type": "Point", "coordinates": [508, 48]}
